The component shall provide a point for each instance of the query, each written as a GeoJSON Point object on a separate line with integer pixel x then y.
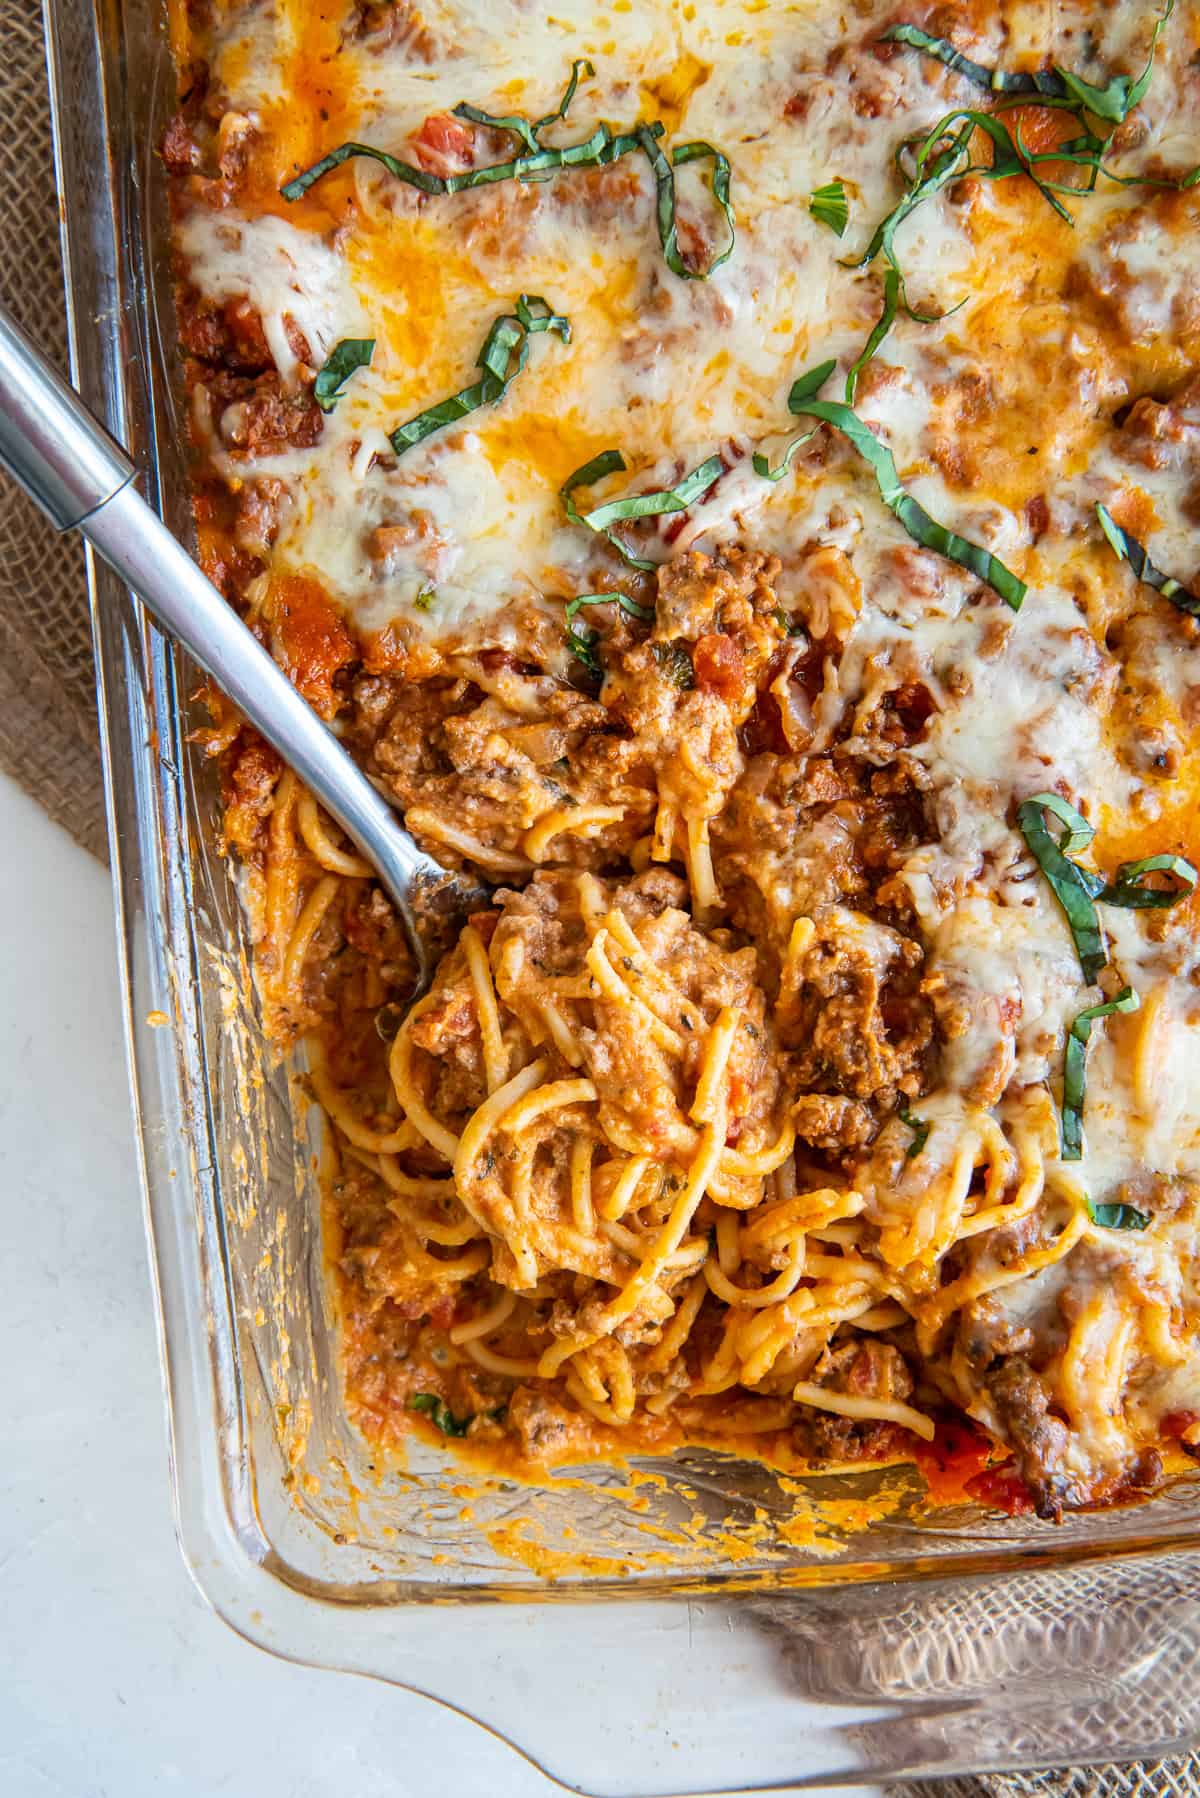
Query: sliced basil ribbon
{"type": "Point", "coordinates": [1079, 891]}
{"type": "Point", "coordinates": [439, 1413]}
{"type": "Point", "coordinates": [1118, 1217]}
{"type": "Point", "coordinates": [644, 614]}
{"type": "Point", "coordinates": [665, 197]}
{"type": "Point", "coordinates": [920, 1128]}
{"type": "Point", "coordinates": [892, 285]}
{"type": "Point", "coordinates": [941, 156]}
{"type": "Point", "coordinates": [528, 130]}
{"type": "Point", "coordinates": [583, 647]}
{"type": "Point", "coordinates": [504, 354]}
{"type": "Point", "coordinates": [603, 147]}
{"type": "Point", "coordinates": [1130, 550]}
{"type": "Point", "coordinates": [1113, 102]}
{"type": "Point", "coordinates": [350, 354]}
{"type": "Point", "coordinates": [1075, 888]}
{"type": "Point", "coordinates": [829, 206]}
{"type": "Point", "coordinates": [1127, 891]}
{"type": "Point", "coordinates": [807, 386]}
{"type": "Point", "coordinates": [583, 644]}
{"type": "Point", "coordinates": [656, 504]}
{"type": "Point", "coordinates": [1075, 1069]}
{"type": "Point", "coordinates": [916, 520]}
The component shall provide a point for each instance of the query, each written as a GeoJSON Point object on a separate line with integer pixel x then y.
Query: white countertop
{"type": "Point", "coordinates": [116, 1680]}
{"type": "Point", "coordinates": [115, 1677]}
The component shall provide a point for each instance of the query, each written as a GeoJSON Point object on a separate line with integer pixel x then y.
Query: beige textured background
{"type": "Point", "coordinates": [48, 733]}
{"type": "Point", "coordinates": [48, 737]}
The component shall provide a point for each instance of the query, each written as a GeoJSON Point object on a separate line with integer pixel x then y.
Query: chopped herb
{"type": "Point", "coordinates": [582, 646]}
{"type": "Point", "coordinates": [665, 201]}
{"type": "Point", "coordinates": [916, 520]}
{"type": "Point", "coordinates": [350, 354]}
{"type": "Point", "coordinates": [504, 354]}
{"type": "Point", "coordinates": [529, 130]}
{"type": "Point", "coordinates": [1112, 103]}
{"type": "Point", "coordinates": [920, 1128]}
{"type": "Point", "coordinates": [1079, 891]}
{"type": "Point", "coordinates": [655, 504]}
{"type": "Point", "coordinates": [1075, 888]}
{"type": "Point", "coordinates": [892, 287]}
{"type": "Point", "coordinates": [439, 1413]}
{"type": "Point", "coordinates": [829, 206]}
{"type": "Point", "coordinates": [644, 613]}
{"type": "Point", "coordinates": [1118, 1217]}
{"type": "Point", "coordinates": [603, 147]}
{"type": "Point", "coordinates": [1127, 891]}
{"type": "Point", "coordinates": [675, 664]}
{"type": "Point", "coordinates": [1130, 550]}
{"type": "Point", "coordinates": [806, 386]}
{"type": "Point", "coordinates": [1075, 1070]}
{"type": "Point", "coordinates": [425, 598]}
{"type": "Point", "coordinates": [762, 464]}
{"type": "Point", "coordinates": [791, 627]}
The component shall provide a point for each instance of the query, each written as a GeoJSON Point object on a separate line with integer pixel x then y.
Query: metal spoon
{"type": "Point", "coordinates": [83, 480]}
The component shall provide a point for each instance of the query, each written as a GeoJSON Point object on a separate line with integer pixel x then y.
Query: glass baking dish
{"type": "Point", "coordinates": [694, 1624]}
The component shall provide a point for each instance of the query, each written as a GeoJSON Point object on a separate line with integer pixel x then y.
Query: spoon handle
{"type": "Point", "coordinates": [55, 449]}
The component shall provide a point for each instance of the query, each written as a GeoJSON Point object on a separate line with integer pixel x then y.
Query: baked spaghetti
{"type": "Point", "coordinates": [728, 472]}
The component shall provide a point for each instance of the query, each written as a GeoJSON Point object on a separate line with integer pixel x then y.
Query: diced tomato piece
{"type": "Point", "coordinates": [957, 1455]}
{"type": "Point", "coordinates": [444, 144]}
{"type": "Point", "coordinates": [719, 666]}
{"type": "Point", "coordinates": [308, 637]}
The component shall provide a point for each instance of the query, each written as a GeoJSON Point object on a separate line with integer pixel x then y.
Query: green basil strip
{"type": "Point", "coordinates": [1008, 159]}
{"type": "Point", "coordinates": [1075, 1069]}
{"type": "Point", "coordinates": [350, 354]}
{"type": "Point", "coordinates": [1117, 100]}
{"type": "Point", "coordinates": [529, 130]}
{"type": "Point", "coordinates": [665, 198]}
{"type": "Point", "coordinates": [597, 151]}
{"type": "Point", "coordinates": [439, 1413]}
{"type": "Point", "coordinates": [1127, 891]}
{"type": "Point", "coordinates": [644, 614]}
{"type": "Point", "coordinates": [762, 464]}
{"type": "Point", "coordinates": [1117, 1217]}
{"type": "Point", "coordinates": [1128, 549]}
{"type": "Point", "coordinates": [1078, 832]}
{"type": "Point", "coordinates": [916, 520]}
{"type": "Point", "coordinates": [656, 504]}
{"type": "Point", "coordinates": [996, 81]}
{"type": "Point", "coordinates": [504, 354]}
{"type": "Point", "coordinates": [925, 182]}
{"type": "Point", "coordinates": [1112, 102]}
{"type": "Point", "coordinates": [1074, 887]}
{"type": "Point", "coordinates": [829, 206]}
{"type": "Point", "coordinates": [892, 284]}
{"type": "Point", "coordinates": [808, 386]}
{"type": "Point", "coordinates": [920, 1128]}
{"type": "Point", "coordinates": [583, 647]}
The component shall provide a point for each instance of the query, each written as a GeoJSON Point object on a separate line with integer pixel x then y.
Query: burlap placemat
{"type": "Point", "coordinates": [48, 735]}
{"type": "Point", "coordinates": [48, 732]}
